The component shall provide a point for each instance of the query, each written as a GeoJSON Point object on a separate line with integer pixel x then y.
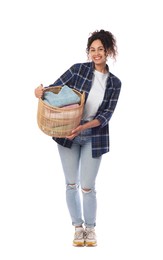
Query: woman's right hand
{"type": "Point", "coordinates": [39, 91]}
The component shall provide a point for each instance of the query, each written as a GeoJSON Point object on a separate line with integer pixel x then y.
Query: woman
{"type": "Point", "coordinates": [82, 151]}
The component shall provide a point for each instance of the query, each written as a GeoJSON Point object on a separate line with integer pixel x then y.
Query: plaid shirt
{"type": "Point", "coordinates": [79, 76]}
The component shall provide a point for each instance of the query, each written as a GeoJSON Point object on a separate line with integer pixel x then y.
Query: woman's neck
{"type": "Point", "coordinates": [101, 68]}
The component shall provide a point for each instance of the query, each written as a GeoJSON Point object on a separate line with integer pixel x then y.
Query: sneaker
{"type": "Point", "coordinates": [90, 237]}
{"type": "Point", "coordinates": [79, 237]}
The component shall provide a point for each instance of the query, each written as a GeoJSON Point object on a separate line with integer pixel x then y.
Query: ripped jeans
{"type": "Point", "coordinates": [80, 171]}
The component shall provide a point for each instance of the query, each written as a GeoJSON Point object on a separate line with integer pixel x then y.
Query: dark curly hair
{"type": "Point", "coordinates": [108, 41]}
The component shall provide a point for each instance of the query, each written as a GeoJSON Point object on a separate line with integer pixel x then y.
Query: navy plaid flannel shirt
{"type": "Point", "coordinates": [79, 76]}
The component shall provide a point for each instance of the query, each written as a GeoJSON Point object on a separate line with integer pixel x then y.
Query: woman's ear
{"type": "Point", "coordinates": [108, 53]}
{"type": "Point", "coordinates": [89, 58]}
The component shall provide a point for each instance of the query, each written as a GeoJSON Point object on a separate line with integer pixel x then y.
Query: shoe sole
{"type": "Point", "coordinates": [78, 244]}
{"type": "Point", "coordinates": [90, 244]}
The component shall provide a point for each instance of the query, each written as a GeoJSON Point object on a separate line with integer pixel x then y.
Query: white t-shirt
{"type": "Point", "coordinates": [96, 95]}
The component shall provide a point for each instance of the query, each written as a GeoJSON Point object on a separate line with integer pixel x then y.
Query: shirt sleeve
{"type": "Point", "coordinates": [109, 104]}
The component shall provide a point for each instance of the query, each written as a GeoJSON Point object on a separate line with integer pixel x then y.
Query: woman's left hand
{"type": "Point", "coordinates": [75, 132]}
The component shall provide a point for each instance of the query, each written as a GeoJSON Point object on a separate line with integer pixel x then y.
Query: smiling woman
{"type": "Point", "coordinates": [103, 42]}
{"type": "Point", "coordinates": [90, 139]}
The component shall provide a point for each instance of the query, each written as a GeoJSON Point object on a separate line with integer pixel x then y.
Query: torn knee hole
{"type": "Point", "coordinates": [73, 186]}
{"type": "Point", "coordinates": [86, 190]}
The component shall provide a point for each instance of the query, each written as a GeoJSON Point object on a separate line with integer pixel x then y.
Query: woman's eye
{"type": "Point", "coordinates": [101, 49]}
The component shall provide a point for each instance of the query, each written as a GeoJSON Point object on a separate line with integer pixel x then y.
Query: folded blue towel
{"type": "Point", "coordinates": [66, 96]}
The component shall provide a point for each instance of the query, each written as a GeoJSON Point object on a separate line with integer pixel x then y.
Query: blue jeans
{"type": "Point", "coordinates": [80, 170]}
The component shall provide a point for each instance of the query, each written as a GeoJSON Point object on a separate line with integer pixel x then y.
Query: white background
{"type": "Point", "coordinates": [39, 41]}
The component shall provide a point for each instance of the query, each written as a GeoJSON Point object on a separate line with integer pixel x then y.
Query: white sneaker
{"type": "Point", "coordinates": [90, 237]}
{"type": "Point", "coordinates": [79, 237]}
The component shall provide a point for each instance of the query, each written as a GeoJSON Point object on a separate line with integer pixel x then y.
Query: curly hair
{"type": "Point", "coordinates": [108, 41]}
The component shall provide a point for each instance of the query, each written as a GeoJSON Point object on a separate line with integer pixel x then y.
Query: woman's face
{"type": "Point", "coordinates": [97, 52]}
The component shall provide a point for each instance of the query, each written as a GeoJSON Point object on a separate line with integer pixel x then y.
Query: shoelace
{"type": "Point", "coordinates": [79, 234]}
{"type": "Point", "coordinates": [90, 234]}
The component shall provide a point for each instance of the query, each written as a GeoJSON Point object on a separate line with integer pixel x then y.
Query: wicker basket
{"type": "Point", "coordinates": [59, 122]}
